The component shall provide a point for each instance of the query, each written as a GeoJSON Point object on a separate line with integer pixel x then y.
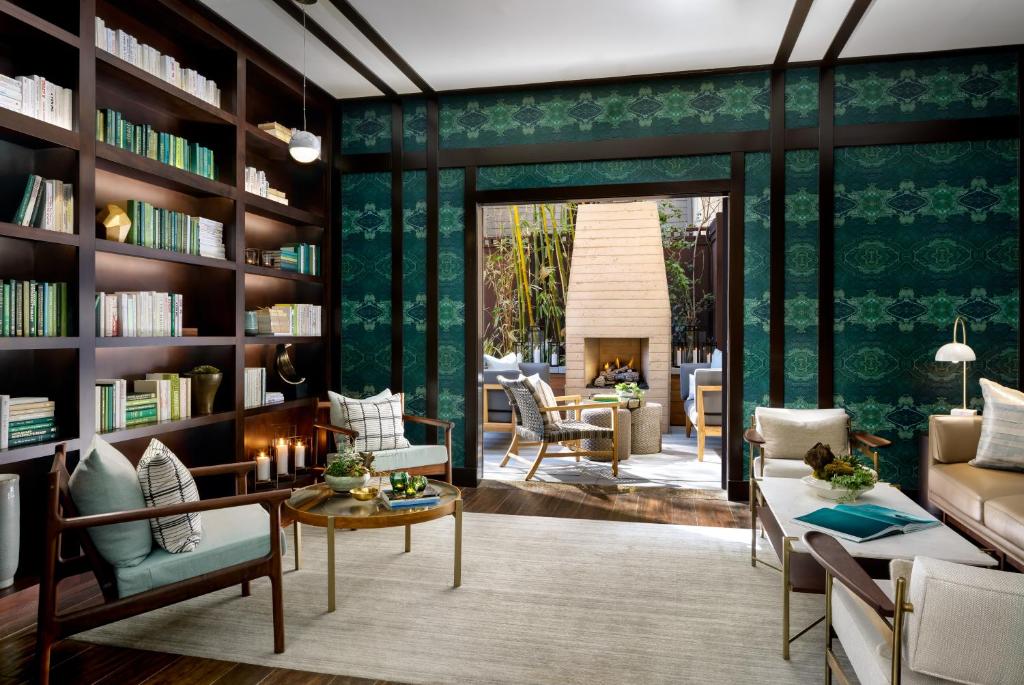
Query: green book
{"type": "Point", "coordinates": [863, 522]}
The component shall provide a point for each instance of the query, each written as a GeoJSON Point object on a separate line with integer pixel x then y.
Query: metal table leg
{"type": "Point", "coordinates": [408, 538]}
{"type": "Point", "coordinates": [787, 549]}
{"type": "Point", "coordinates": [330, 564]}
{"type": "Point", "coordinates": [458, 543]}
{"type": "Point", "coordinates": [298, 545]}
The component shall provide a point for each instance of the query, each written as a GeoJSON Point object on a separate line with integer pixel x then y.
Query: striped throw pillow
{"type": "Point", "coordinates": [165, 480]}
{"type": "Point", "coordinates": [377, 421]}
{"type": "Point", "coordinates": [1002, 428]}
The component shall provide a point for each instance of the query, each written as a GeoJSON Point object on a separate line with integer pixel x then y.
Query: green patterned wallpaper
{"type": "Point", "coordinates": [923, 233]}
{"type": "Point", "coordinates": [414, 297]}
{"type": "Point", "coordinates": [801, 290]}
{"type": "Point", "coordinates": [365, 283]}
{"type": "Point", "coordinates": [756, 249]}
{"type": "Point", "coordinates": [696, 167]}
{"type": "Point", "coordinates": [802, 97]}
{"type": "Point", "coordinates": [414, 125]}
{"type": "Point", "coordinates": [365, 127]}
{"type": "Point", "coordinates": [958, 87]}
{"type": "Point", "coordinates": [451, 350]}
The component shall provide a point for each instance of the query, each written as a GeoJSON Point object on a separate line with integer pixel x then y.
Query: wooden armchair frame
{"type": "Point", "coordinates": [704, 430]}
{"type": "Point", "coordinates": [495, 426]}
{"type": "Point", "coordinates": [574, 446]}
{"type": "Point", "coordinates": [62, 517]}
{"type": "Point", "coordinates": [324, 430]}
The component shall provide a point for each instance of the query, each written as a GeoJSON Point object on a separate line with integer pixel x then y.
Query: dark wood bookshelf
{"type": "Point", "coordinates": [62, 41]}
{"type": "Point", "coordinates": [281, 339]}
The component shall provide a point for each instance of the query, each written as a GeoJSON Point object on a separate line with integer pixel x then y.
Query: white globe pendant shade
{"type": "Point", "coordinates": [304, 147]}
{"type": "Point", "coordinates": [955, 352]}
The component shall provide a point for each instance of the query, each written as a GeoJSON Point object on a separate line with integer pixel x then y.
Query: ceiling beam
{"type": "Point", "coordinates": [846, 29]}
{"type": "Point", "coordinates": [321, 34]}
{"type": "Point", "coordinates": [796, 24]}
{"type": "Point", "coordinates": [379, 42]}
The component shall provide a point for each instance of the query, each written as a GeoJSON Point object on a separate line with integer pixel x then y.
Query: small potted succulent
{"type": "Point", "coordinates": [347, 472]}
{"type": "Point", "coordinates": [205, 381]}
{"type": "Point", "coordinates": [840, 478]}
{"type": "Point", "coordinates": [630, 394]}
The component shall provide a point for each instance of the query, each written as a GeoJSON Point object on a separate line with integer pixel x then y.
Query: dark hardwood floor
{"type": "Point", "coordinates": [82, 663]}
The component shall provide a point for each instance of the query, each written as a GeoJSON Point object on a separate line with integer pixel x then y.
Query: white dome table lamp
{"type": "Point", "coordinates": [958, 352]}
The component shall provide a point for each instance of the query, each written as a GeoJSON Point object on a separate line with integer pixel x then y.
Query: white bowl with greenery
{"type": "Point", "coordinates": [345, 473]}
{"type": "Point", "coordinates": [837, 478]}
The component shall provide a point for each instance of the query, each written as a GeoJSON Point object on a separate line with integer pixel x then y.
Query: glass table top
{"type": "Point", "coordinates": [320, 501]}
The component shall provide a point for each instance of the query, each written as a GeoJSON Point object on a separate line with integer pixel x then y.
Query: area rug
{"type": "Point", "coordinates": [543, 600]}
{"type": "Point", "coordinates": [605, 489]}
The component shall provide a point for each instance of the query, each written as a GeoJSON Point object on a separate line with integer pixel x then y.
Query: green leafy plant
{"type": "Point", "coordinates": [205, 369]}
{"type": "Point", "coordinates": [631, 389]}
{"type": "Point", "coordinates": [347, 466]}
{"type": "Point", "coordinates": [843, 472]}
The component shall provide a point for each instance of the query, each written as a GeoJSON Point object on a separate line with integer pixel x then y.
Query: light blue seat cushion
{"type": "Point", "coordinates": [407, 458]}
{"type": "Point", "coordinates": [103, 482]}
{"type": "Point", "coordinates": [230, 536]}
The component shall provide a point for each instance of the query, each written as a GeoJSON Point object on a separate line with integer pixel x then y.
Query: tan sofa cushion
{"type": "Point", "coordinates": [968, 488]}
{"type": "Point", "coordinates": [953, 439]}
{"type": "Point", "coordinates": [1005, 517]}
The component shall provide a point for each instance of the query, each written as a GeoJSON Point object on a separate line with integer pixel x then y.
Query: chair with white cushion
{"type": "Point", "coordinates": [934, 622]}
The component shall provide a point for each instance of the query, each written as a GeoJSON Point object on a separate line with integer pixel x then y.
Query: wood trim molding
{"type": "Point", "coordinates": [777, 241]}
{"type": "Point", "coordinates": [937, 131]}
{"type": "Point", "coordinates": [826, 235]}
{"type": "Point", "coordinates": [734, 235]}
{"type": "Point", "coordinates": [846, 29]}
{"type": "Point", "coordinates": [472, 341]}
{"type": "Point", "coordinates": [595, 192]}
{"type": "Point", "coordinates": [796, 24]}
{"type": "Point", "coordinates": [397, 250]}
{"type": "Point", "coordinates": [433, 246]}
{"type": "Point", "coordinates": [1020, 218]}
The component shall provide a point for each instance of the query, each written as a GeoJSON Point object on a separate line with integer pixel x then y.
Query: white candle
{"type": "Point", "coordinates": [537, 357]}
{"type": "Point", "coordinates": [281, 451]}
{"type": "Point", "coordinates": [262, 467]}
{"type": "Point", "coordinates": [554, 358]}
{"type": "Point", "coordinates": [679, 356]}
{"type": "Point", "coordinates": [300, 455]}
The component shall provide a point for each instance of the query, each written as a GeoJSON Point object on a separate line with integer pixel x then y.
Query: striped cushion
{"type": "Point", "coordinates": [521, 396]}
{"type": "Point", "coordinates": [545, 397]}
{"type": "Point", "coordinates": [1002, 428]}
{"type": "Point", "coordinates": [165, 480]}
{"type": "Point", "coordinates": [378, 422]}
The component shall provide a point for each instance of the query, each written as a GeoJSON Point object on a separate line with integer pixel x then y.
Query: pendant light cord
{"type": "Point", "coordinates": [304, 68]}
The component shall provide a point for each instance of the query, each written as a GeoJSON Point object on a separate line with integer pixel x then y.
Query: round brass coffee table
{"type": "Point", "coordinates": [318, 505]}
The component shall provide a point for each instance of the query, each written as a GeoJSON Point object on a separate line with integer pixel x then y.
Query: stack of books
{"type": "Point", "coordinates": [273, 321]}
{"type": "Point", "coordinates": [255, 386]}
{"type": "Point", "coordinates": [25, 421]}
{"type": "Point", "coordinates": [149, 59]}
{"type": "Point", "coordinates": [38, 98]}
{"type": "Point", "coordinates": [256, 183]}
{"type": "Point", "coordinates": [303, 319]}
{"type": "Point", "coordinates": [143, 139]}
{"type": "Point", "coordinates": [277, 130]}
{"type": "Point", "coordinates": [301, 258]}
{"type": "Point", "coordinates": [138, 314]}
{"type": "Point", "coordinates": [160, 397]}
{"type": "Point", "coordinates": [48, 204]}
{"type": "Point", "coordinates": [33, 309]}
{"type": "Point", "coordinates": [166, 229]}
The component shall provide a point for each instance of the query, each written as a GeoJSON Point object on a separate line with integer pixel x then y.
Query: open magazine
{"type": "Point", "coordinates": [862, 522]}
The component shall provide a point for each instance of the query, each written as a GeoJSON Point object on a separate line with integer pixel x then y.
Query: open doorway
{"type": "Point", "coordinates": [598, 303]}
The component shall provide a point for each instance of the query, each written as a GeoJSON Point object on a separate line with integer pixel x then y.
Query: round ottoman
{"type": "Point", "coordinates": [603, 418]}
{"type": "Point", "coordinates": [646, 429]}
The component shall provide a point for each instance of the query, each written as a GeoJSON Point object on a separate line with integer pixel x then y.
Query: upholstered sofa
{"type": "Point", "coordinates": [497, 410]}
{"type": "Point", "coordinates": [988, 503]}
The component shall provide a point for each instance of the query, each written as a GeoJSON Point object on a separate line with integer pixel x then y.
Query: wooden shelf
{"type": "Point", "coordinates": [281, 273]}
{"type": "Point", "coordinates": [38, 23]}
{"type": "Point", "coordinates": [38, 235]}
{"type": "Point", "coordinates": [127, 163]}
{"type": "Point", "coordinates": [123, 75]}
{"type": "Point", "coordinates": [153, 429]}
{"type": "Point", "coordinates": [276, 210]}
{"type": "Point", "coordinates": [34, 133]}
{"type": "Point", "coordinates": [271, 147]}
{"type": "Point", "coordinates": [182, 341]}
{"type": "Point", "coordinates": [280, 406]}
{"type": "Point", "coordinates": [35, 451]}
{"type": "Point", "coordinates": [281, 339]}
{"type": "Point", "coordinates": [40, 343]}
{"type": "Point", "coordinates": [130, 250]}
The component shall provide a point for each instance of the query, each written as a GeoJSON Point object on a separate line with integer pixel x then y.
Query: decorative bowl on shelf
{"type": "Point", "coordinates": [825, 490]}
{"type": "Point", "coordinates": [346, 483]}
{"type": "Point", "coordinates": [365, 493]}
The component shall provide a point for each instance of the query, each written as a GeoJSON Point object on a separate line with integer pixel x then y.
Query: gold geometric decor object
{"type": "Point", "coordinates": [115, 221]}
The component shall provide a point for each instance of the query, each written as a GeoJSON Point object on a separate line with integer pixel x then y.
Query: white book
{"type": "Point", "coordinates": [5, 419]}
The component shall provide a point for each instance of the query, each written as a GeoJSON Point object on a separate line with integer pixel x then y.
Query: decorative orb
{"type": "Point", "coordinates": [115, 221]}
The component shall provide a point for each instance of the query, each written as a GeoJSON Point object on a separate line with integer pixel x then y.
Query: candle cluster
{"type": "Point", "coordinates": [281, 450]}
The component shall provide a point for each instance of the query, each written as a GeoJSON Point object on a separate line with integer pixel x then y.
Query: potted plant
{"type": "Point", "coordinates": [205, 381]}
{"type": "Point", "coordinates": [346, 472]}
{"type": "Point", "coordinates": [840, 478]}
{"type": "Point", "coordinates": [630, 393]}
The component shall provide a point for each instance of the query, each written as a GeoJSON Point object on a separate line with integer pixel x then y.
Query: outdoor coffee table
{"type": "Point", "coordinates": [318, 505]}
{"type": "Point", "coordinates": [776, 502]}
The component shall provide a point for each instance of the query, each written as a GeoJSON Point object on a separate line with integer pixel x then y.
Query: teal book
{"type": "Point", "coordinates": [863, 522]}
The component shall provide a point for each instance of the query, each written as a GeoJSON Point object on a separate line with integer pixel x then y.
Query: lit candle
{"type": "Point", "coordinates": [300, 455]}
{"type": "Point", "coordinates": [281, 451]}
{"type": "Point", "coordinates": [262, 466]}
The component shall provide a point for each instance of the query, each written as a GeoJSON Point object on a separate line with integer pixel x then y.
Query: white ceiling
{"type": "Point", "coordinates": [456, 44]}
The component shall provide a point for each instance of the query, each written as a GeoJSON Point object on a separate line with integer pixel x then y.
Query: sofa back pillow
{"type": "Point", "coordinates": [509, 362]}
{"type": "Point", "coordinates": [103, 482]}
{"type": "Point", "coordinates": [165, 481]}
{"type": "Point", "coordinates": [1002, 428]}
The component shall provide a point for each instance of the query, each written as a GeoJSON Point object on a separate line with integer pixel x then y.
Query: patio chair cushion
{"type": "Point", "coordinates": [230, 536]}
{"type": "Point", "coordinates": [576, 430]}
{"type": "Point", "coordinates": [789, 433]}
{"type": "Point", "coordinates": [408, 458]}
{"type": "Point", "coordinates": [103, 482]}
{"type": "Point", "coordinates": [545, 397]}
{"type": "Point", "coordinates": [165, 480]}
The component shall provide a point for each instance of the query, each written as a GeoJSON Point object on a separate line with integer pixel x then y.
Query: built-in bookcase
{"type": "Point", "coordinates": [56, 40]}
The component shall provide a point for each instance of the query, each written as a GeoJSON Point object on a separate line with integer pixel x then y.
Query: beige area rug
{"type": "Point", "coordinates": [543, 600]}
{"type": "Point", "coordinates": [605, 489]}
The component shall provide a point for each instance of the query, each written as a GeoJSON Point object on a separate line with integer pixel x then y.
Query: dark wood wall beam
{"type": "Point", "coordinates": [335, 260]}
{"type": "Point", "coordinates": [324, 36]}
{"type": "Point", "coordinates": [796, 23]}
{"type": "Point", "coordinates": [826, 235]}
{"type": "Point", "coordinates": [379, 42]}
{"type": "Point", "coordinates": [473, 346]}
{"type": "Point", "coordinates": [85, 207]}
{"type": "Point", "coordinates": [397, 247]}
{"type": "Point", "coordinates": [846, 29]}
{"type": "Point", "coordinates": [1020, 218]}
{"type": "Point", "coordinates": [777, 241]}
{"type": "Point", "coordinates": [917, 132]}
{"type": "Point", "coordinates": [601, 192]}
{"type": "Point", "coordinates": [433, 246]}
{"type": "Point", "coordinates": [733, 391]}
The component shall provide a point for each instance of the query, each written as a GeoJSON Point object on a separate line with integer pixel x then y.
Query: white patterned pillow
{"type": "Point", "coordinates": [377, 421]}
{"type": "Point", "coordinates": [165, 480]}
{"type": "Point", "coordinates": [1002, 428]}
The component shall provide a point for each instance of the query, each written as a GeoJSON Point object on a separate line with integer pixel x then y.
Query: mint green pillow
{"type": "Point", "coordinates": [105, 481]}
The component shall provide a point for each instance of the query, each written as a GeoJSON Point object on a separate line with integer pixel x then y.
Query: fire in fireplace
{"type": "Point", "coordinates": [617, 371]}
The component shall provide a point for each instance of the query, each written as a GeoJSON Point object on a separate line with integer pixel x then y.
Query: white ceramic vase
{"type": "Point", "coordinates": [10, 527]}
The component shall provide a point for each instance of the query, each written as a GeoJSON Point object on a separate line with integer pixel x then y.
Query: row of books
{"type": "Point", "coordinates": [38, 98]}
{"type": "Point", "coordinates": [33, 309]}
{"type": "Point", "coordinates": [124, 45]}
{"type": "Point", "coordinates": [26, 420]}
{"type": "Point", "coordinates": [48, 204]}
{"type": "Point", "coordinates": [143, 139]}
{"type": "Point", "coordinates": [167, 229]}
{"type": "Point", "coordinates": [255, 386]}
{"type": "Point", "coordinates": [256, 183]}
{"type": "Point", "coordinates": [288, 319]}
{"type": "Point", "coordinates": [160, 397]}
{"type": "Point", "coordinates": [302, 258]}
{"type": "Point", "coordinates": [138, 314]}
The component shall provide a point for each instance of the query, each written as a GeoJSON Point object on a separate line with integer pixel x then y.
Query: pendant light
{"type": "Point", "coordinates": [304, 147]}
